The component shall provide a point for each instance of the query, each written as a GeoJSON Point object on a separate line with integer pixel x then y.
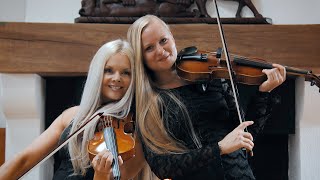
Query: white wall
{"type": "Point", "coordinates": [12, 10]}
{"type": "Point", "coordinates": [52, 10]}
{"type": "Point", "coordinates": [2, 117]}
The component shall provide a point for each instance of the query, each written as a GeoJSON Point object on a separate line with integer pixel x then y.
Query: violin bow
{"type": "Point", "coordinates": [230, 70]}
{"type": "Point", "coordinates": [89, 122]}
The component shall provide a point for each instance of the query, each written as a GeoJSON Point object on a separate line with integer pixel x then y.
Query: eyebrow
{"type": "Point", "coordinates": [107, 66]}
{"type": "Point", "coordinates": [161, 37]}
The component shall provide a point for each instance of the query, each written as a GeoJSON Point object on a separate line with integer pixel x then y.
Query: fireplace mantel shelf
{"type": "Point", "coordinates": [61, 49]}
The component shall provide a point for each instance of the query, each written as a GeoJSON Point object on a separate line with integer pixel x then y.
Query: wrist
{"type": "Point", "coordinates": [264, 90]}
{"type": "Point", "coordinates": [99, 175]}
{"type": "Point", "coordinates": [220, 148]}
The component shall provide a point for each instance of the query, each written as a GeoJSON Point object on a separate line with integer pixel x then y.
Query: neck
{"type": "Point", "coordinates": [168, 79]}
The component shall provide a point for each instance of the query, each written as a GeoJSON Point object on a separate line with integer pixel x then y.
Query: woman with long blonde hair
{"type": "Point", "coordinates": [109, 89]}
{"type": "Point", "coordinates": [190, 130]}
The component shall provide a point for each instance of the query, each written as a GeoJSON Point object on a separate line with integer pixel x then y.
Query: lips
{"type": "Point", "coordinates": [115, 88]}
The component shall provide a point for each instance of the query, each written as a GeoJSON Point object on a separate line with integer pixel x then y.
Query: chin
{"type": "Point", "coordinates": [113, 98]}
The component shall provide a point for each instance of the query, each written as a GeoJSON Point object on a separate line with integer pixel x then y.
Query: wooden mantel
{"type": "Point", "coordinates": [66, 49]}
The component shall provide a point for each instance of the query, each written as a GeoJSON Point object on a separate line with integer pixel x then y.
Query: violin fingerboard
{"type": "Point", "coordinates": [111, 145]}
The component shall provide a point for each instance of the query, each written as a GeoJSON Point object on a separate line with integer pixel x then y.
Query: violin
{"type": "Point", "coordinates": [117, 133]}
{"type": "Point", "coordinates": [202, 66]}
{"type": "Point", "coordinates": [117, 137]}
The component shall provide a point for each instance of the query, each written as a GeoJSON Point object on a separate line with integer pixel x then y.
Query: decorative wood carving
{"type": "Point", "coordinates": [171, 11]}
{"type": "Point", "coordinates": [201, 4]}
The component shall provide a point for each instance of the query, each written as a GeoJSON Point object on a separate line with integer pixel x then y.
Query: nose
{"type": "Point", "coordinates": [116, 77]}
{"type": "Point", "coordinates": [160, 50]}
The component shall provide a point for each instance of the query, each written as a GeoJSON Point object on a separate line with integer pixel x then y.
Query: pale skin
{"type": "Point", "coordinates": [160, 53]}
{"type": "Point", "coordinates": [116, 80]}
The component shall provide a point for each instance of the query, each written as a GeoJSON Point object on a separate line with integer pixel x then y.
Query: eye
{"type": "Point", "coordinates": [163, 40]}
{"type": "Point", "coordinates": [149, 48]}
{"type": "Point", "coordinates": [127, 73]}
{"type": "Point", "coordinates": [108, 70]}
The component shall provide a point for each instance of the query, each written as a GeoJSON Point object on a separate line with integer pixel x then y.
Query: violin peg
{"type": "Point", "coordinates": [219, 52]}
{"type": "Point", "coordinates": [313, 83]}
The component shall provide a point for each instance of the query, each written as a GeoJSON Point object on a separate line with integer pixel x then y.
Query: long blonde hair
{"type": "Point", "coordinates": [91, 100]}
{"type": "Point", "coordinates": [149, 103]}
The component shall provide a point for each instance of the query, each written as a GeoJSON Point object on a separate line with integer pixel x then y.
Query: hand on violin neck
{"type": "Point", "coordinates": [237, 139]}
{"type": "Point", "coordinates": [275, 77]}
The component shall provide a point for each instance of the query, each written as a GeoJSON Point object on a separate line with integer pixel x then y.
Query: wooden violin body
{"type": "Point", "coordinates": [123, 132]}
{"type": "Point", "coordinates": [201, 66]}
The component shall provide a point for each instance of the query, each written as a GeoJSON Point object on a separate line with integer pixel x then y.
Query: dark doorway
{"type": "Point", "coordinates": [61, 94]}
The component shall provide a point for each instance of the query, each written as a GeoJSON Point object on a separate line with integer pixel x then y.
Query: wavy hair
{"type": "Point", "coordinates": [149, 103]}
{"type": "Point", "coordinates": [91, 102]}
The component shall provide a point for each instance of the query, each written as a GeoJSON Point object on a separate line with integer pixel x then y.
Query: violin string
{"type": "Point", "coordinates": [113, 147]}
{"type": "Point", "coordinates": [244, 58]}
{"type": "Point", "coordinates": [115, 150]}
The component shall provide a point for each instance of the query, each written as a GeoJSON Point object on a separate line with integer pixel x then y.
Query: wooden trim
{"type": "Point", "coordinates": [66, 49]}
{"type": "Point", "coordinates": [2, 145]}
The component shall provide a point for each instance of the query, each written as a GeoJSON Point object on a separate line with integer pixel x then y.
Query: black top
{"type": "Point", "coordinates": [213, 113]}
{"type": "Point", "coordinates": [65, 169]}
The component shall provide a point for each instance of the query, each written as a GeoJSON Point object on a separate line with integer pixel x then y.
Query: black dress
{"type": "Point", "coordinates": [213, 113]}
{"type": "Point", "coordinates": [65, 169]}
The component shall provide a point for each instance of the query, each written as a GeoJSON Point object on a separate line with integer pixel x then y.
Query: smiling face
{"type": "Point", "coordinates": [116, 78]}
{"type": "Point", "coordinates": [158, 47]}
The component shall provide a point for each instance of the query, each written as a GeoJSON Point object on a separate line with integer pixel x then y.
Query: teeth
{"type": "Point", "coordinates": [115, 87]}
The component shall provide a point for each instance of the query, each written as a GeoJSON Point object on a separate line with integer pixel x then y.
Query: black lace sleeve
{"type": "Point", "coordinates": [257, 109]}
{"type": "Point", "coordinates": [178, 165]}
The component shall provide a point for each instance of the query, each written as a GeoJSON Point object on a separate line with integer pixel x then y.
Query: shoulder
{"type": "Point", "coordinates": [67, 115]}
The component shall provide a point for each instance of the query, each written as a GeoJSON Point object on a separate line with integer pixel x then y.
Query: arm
{"type": "Point", "coordinates": [260, 110]}
{"type": "Point", "coordinates": [174, 165]}
{"type": "Point", "coordinates": [37, 150]}
{"type": "Point", "coordinates": [260, 107]}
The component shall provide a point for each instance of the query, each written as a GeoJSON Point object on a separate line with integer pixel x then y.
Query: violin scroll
{"type": "Point", "coordinates": [313, 79]}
